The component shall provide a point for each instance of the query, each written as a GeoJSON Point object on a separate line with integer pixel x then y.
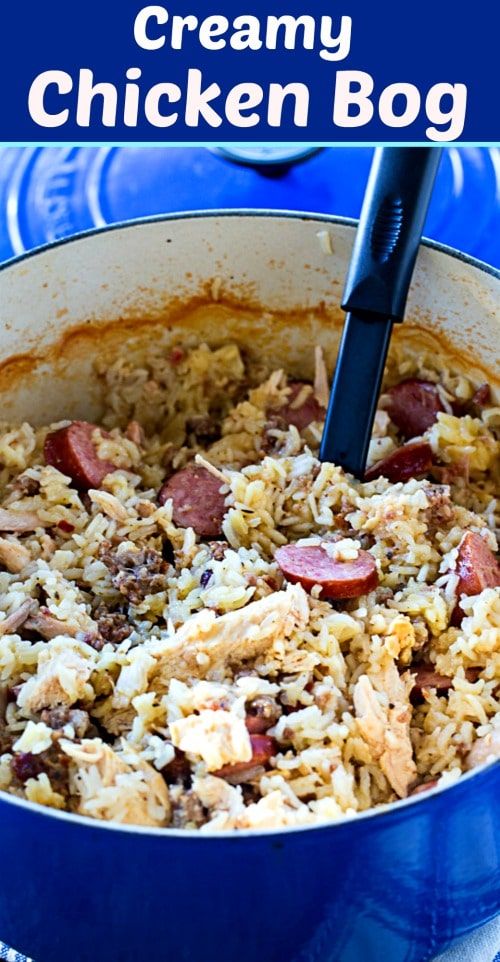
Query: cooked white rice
{"type": "Point", "coordinates": [145, 736]}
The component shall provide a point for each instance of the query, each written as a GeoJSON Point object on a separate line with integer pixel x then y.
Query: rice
{"type": "Point", "coordinates": [194, 688]}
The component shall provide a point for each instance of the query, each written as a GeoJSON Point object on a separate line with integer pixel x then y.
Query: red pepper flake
{"type": "Point", "coordinates": [65, 526]}
{"type": "Point", "coordinates": [177, 354]}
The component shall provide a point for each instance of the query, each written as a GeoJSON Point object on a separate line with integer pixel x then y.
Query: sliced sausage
{"type": "Point", "coordinates": [263, 749]}
{"type": "Point", "coordinates": [71, 451]}
{"type": "Point", "coordinates": [410, 461]}
{"type": "Point", "coordinates": [312, 565]}
{"type": "Point", "coordinates": [477, 569]}
{"type": "Point", "coordinates": [424, 787]}
{"type": "Point", "coordinates": [426, 676]}
{"type": "Point", "coordinates": [197, 500]}
{"type": "Point", "coordinates": [413, 406]}
{"type": "Point", "coordinates": [302, 407]}
{"type": "Point", "coordinates": [482, 396]}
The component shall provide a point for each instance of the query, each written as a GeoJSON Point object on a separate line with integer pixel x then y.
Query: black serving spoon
{"type": "Point", "coordinates": [394, 209]}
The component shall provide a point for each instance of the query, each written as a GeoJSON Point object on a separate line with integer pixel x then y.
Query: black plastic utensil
{"type": "Point", "coordinates": [394, 209]}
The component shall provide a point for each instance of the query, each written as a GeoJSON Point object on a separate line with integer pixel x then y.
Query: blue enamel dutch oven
{"type": "Point", "coordinates": [396, 884]}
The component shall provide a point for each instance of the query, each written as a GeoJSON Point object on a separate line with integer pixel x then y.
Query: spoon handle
{"type": "Point", "coordinates": [385, 248]}
{"type": "Point", "coordinates": [392, 219]}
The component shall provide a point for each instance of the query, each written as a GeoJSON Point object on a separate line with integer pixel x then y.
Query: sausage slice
{"type": "Point", "coordinates": [410, 461]}
{"type": "Point", "coordinates": [413, 406]}
{"type": "Point", "coordinates": [197, 500]}
{"type": "Point", "coordinates": [426, 676]}
{"type": "Point", "coordinates": [312, 565]}
{"type": "Point", "coordinates": [263, 749]}
{"type": "Point", "coordinates": [424, 787]}
{"type": "Point", "coordinates": [482, 396]}
{"type": "Point", "coordinates": [302, 407]}
{"type": "Point", "coordinates": [71, 451]}
{"type": "Point", "coordinates": [477, 569]}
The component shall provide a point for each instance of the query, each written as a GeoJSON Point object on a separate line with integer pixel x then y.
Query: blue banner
{"type": "Point", "coordinates": [353, 71]}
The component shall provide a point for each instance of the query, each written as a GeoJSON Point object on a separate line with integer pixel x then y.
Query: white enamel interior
{"type": "Point", "coordinates": [144, 270]}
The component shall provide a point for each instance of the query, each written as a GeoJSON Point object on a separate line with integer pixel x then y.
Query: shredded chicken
{"type": "Point", "coordinates": [116, 721]}
{"type": "Point", "coordinates": [205, 643]}
{"type": "Point", "coordinates": [61, 678]}
{"type": "Point", "coordinates": [387, 729]}
{"type": "Point", "coordinates": [135, 433]}
{"type": "Point", "coordinates": [17, 618]}
{"type": "Point", "coordinates": [380, 424]}
{"type": "Point", "coordinates": [13, 556]}
{"type": "Point", "coordinates": [484, 749]}
{"type": "Point", "coordinates": [49, 627]}
{"type": "Point", "coordinates": [123, 788]}
{"type": "Point", "coordinates": [321, 389]}
{"type": "Point", "coordinates": [18, 521]}
{"type": "Point", "coordinates": [108, 504]}
{"type": "Point", "coordinates": [203, 463]}
{"type": "Point", "coordinates": [218, 737]}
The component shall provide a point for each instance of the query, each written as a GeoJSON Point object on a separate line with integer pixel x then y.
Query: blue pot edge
{"type": "Point", "coordinates": [397, 811]}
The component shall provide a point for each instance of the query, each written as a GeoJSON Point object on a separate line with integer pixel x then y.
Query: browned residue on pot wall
{"type": "Point", "coordinates": [59, 382]}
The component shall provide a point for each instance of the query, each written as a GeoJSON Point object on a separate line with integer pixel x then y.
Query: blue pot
{"type": "Point", "coordinates": [398, 883]}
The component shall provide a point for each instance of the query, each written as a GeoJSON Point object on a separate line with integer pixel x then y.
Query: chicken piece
{"type": "Point", "coordinates": [387, 729]}
{"type": "Point", "coordinates": [218, 737]}
{"type": "Point", "coordinates": [48, 627]}
{"type": "Point", "coordinates": [484, 749]}
{"type": "Point", "coordinates": [19, 521]}
{"type": "Point", "coordinates": [205, 643]}
{"type": "Point", "coordinates": [135, 433]}
{"type": "Point", "coordinates": [12, 622]}
{"type": "Point", "coordinates": [321, 387]}
{"type": "Point", "coordinates": [13, 556]}
{"type": "Point", "coordinates": [217, 795]}
{"type": "Point", "coordinates": [100, 779]}
{"type": "Point", "coordinates": [61, 678]}
{"type": "Point", "coordinates": [109, 505]}
{"type": "Point", "coordinates": [400, 639]}
{"type": "Point", "coordinates": [227, 810]}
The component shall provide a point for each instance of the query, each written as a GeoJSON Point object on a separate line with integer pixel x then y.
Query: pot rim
{"type": "Point", "coordinates": [398, 809]}
{"type": "Point", "coordinates": [395, 809]}
{"type": "Point", "coordinates": [239, 212]}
